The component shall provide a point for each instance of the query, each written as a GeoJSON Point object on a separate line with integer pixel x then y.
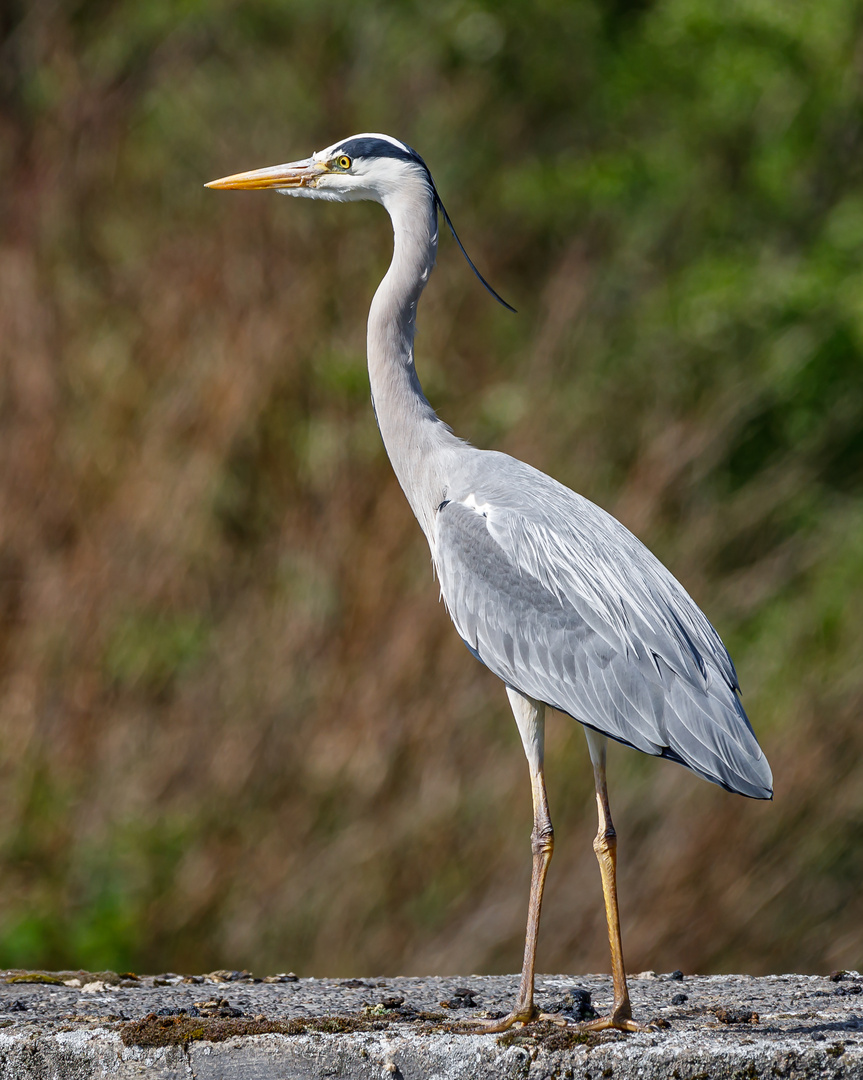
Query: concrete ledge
{"type": "Point", "coordinates": [224, 1026]}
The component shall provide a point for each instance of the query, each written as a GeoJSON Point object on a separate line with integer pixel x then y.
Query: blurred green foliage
{"type": "Point", "coordinates": [235, 728]}
{"type": "Point", "coordinates": [150, 650]}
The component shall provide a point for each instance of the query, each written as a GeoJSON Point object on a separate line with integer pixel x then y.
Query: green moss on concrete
{"type": "Point", "coordinates": [154, 1030]}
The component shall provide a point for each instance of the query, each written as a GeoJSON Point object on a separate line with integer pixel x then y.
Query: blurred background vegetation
{"type": "Point", "coordinates": [236, 727]}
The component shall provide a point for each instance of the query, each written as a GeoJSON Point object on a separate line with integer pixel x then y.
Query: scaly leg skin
{"type": "Point", "coordinates": [542, 844]}
{"type": "Point", "coordinates": [605, 846]}
{"type": "Point", "coordinates": [530, 717]}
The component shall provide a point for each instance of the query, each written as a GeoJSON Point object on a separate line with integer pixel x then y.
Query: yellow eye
{"type": "Point", "coordinates": [343, 162]}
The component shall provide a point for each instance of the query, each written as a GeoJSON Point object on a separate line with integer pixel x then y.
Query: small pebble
{"type": "Point", "coordinates": [462, 998]}
{"type": "Point", "coordinates": [576, 1004]}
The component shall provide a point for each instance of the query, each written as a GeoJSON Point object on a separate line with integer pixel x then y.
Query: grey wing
{"type": "Point", "coordinates": [588, 621]}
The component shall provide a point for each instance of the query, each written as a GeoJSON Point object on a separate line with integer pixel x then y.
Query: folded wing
{"type": "Point", "coordinates": [563, 603]}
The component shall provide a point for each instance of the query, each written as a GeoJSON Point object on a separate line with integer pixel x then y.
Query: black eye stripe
{"type": "Point", "coordinates": [379, 148]}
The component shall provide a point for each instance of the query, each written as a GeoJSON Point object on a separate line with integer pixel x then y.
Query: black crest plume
{"type": "Point", "coordinates": [371, 146]}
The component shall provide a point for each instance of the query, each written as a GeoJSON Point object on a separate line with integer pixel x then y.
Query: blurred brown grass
{"type": "Point", "coordinates": [236, 727]}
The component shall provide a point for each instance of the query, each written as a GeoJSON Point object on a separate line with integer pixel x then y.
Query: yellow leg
{"type": "Point", "coordinates": [605, 846]}
{"type": "Point", "coordinates": [542, 846]}
{"type": "Point", "coordinates": [530, 717]}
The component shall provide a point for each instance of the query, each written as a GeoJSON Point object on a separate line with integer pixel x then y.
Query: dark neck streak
{"type": "Point", "coordinates": [417, 442]}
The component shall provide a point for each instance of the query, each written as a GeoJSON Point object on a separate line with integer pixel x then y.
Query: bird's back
{"type": "Point", "coordinates": [564, 604]}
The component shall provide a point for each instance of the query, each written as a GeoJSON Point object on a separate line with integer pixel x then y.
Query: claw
{"type": "Point", "coordinates": [518, 1016]}
{"type": "Point", "coordinates": [606, 1023]}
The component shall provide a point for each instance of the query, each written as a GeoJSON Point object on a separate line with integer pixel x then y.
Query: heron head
{"type": "Point", "coordinates": [370, 166]}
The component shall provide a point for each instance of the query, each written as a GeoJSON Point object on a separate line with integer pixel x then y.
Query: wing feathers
{"type": "Point", "coordinates": [565, 605]}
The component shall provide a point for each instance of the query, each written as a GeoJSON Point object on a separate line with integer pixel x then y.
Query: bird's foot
{"type": "Point", "coordinates": [613, 1022]}
{"type": "Point", "coordinates": [521, 1016]}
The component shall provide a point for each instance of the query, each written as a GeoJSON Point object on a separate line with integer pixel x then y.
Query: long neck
{"type": "Point", "coordinates": [416, 441]}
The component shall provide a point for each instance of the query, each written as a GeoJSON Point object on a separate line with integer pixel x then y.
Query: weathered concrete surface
{"type": "Point", "coordinates": [719, 1028]}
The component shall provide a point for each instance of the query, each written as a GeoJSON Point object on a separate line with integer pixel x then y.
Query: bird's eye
{"type": "Point", "coordinates": [343, 162]}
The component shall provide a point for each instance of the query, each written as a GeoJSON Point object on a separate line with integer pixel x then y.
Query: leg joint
{"type": "Point", "coordinates": [542, 839]}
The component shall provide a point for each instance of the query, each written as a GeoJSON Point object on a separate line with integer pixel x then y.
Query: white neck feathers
{"type": "Point", "coordinates": [415, 439]}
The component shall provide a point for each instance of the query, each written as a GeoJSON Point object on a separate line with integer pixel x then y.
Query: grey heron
{"type": "Point", "coordinates": [547, 590]}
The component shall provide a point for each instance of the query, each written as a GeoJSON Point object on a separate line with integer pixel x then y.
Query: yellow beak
{"type": "Point", "coordinates": [294, 174]}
